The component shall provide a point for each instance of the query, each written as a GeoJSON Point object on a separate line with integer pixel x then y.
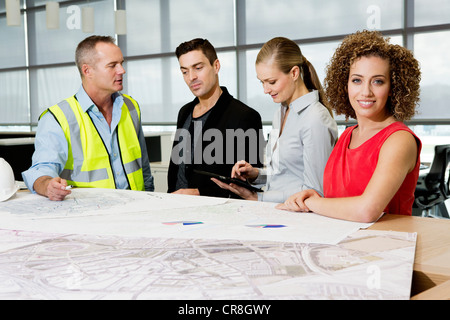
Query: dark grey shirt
{"type": "Point", "coordinates": [190, 124]}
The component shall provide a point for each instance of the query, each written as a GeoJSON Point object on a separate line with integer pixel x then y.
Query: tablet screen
{"type": "Point", "coordinates": [229, 180]}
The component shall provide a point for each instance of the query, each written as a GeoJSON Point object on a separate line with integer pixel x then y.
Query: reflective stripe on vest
{"type": "Point", "coordinates": [96, 171]}
{"type": "Point", "coordinates": [77, 150]}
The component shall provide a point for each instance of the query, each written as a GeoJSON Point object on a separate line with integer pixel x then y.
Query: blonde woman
{"type": "Point", "coordinates": [304, 131]}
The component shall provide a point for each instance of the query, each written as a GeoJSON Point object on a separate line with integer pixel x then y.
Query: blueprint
{"type": "Point", "coordinates": [147, 214]}
{"type": "Point", "coordinates": [87, 201]}
{"type": "Point", "coordinates": [117, 244]}
{"type": "Point", "coordinates": [366, 265]}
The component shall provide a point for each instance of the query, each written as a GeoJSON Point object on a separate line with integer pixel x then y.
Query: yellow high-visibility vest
{"type": "Point", "coordinates": [88, 164]}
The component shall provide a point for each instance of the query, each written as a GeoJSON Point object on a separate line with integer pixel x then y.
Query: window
{"type": "Point", "coordinates": [58, 45]}
{"type": "Point", "coordinates": [12, 40]}
{"type": "Point", "coordinates": [159, 87]}
{"type": "Point", "coordinates": [190, 19]}
{"type": "Point", "coordinates": [431, 12]}
{"type": "Point", "coordinates": [306, 19]}
{"type": "Point", "coordinates": [37, 66]}
{"type": "Point", "coordinates": [14, 97]}
{"type": "Point", "coordinates": [50, 86]}
{"type": "Point", "coordinates": [143, 28]}
{"type": "Point", "coordinates": [431, 49]}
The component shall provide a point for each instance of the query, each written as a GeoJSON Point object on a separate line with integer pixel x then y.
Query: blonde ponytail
{"type": "Point", "coordinates": [287, 54]}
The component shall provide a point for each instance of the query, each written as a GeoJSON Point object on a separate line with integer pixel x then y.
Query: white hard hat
{"type": "Point", "coordinates": [8, 186]}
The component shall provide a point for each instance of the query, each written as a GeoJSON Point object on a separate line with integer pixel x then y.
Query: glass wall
{"type": "Point", "coordinates": [37, 64]}
{"type": "Point", "coordinates": [307, 19]}
{"type": "Point", "coordinates": [430, 49]}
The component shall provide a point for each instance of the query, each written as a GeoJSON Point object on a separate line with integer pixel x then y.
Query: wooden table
{"type": "Point", "coordinates": [431, 276]}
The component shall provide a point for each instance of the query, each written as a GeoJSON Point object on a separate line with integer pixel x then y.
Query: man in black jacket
{"type": "Point", "coordinates": [214, 131]}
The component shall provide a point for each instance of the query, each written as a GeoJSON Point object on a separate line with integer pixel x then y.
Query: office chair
{"type": "Point", "coordinates": [433, 189]}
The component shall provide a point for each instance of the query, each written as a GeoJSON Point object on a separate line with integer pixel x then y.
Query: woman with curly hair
{"type": "Point", "coordinates": [374, 166]}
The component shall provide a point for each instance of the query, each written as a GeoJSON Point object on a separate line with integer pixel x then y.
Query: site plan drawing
{"type": "Point", "coordinates": [118, 244]}
{"type": "Point", "coordinates": [132, 213]}
{"type": "Point", "coordinates": [56, 266]}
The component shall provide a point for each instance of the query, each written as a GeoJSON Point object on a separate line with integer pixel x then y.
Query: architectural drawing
{"type": "Point", "coordinates": [147, 214]}
{"type": "Point", "coordinates": [117, 244]}
{"type": "Point", "coordinates": [98, 201]}
{"type": "Point", "coordinates": [111, 267]}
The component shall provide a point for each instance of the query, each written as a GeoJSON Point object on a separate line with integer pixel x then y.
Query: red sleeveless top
{"type": "Point", "coordinates": [348, 171]}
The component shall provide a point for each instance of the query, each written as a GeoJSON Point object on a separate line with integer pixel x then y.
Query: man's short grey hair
{"type": "Point", "coordinates": [86, 49]}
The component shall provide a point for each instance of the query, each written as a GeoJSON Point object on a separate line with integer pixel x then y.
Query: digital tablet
{"type": "Point", "coordinates": [229, 180]}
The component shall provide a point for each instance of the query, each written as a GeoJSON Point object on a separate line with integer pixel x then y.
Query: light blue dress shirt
{"type": "Point", "coordinates": [296, 159]}
{"type": "Point", "coordinates": [51, 149]}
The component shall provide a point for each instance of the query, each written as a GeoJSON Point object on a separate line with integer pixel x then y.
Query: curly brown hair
{"type": "Point", "coordinates": [404, 73]}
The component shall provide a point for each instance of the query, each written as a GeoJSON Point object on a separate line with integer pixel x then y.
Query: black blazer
{"type": "Point", "coordinates": [228, 113]}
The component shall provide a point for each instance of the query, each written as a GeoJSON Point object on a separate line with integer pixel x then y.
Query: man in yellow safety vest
{"type": "Point", "coordinates": [93, 139]}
